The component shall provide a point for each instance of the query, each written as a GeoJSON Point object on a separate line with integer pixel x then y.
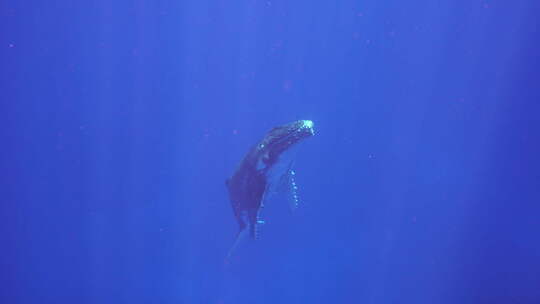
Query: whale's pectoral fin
{"type": "Point", "coordinates": [289, 187]}
{"type": "Point", "coordinates": [292, 194]}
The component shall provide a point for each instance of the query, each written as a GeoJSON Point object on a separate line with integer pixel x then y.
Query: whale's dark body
{"type": "Point", "coordinates": [250, 183]}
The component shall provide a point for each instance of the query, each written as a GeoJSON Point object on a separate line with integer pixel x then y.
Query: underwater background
{"type": "Point", "coordinates": [121, 120]}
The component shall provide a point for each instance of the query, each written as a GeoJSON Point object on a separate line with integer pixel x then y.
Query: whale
{"type": "Point", "coordinates": [264, 168]}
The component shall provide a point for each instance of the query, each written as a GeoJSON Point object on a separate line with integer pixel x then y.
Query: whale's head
{"type": "Point", "coordinates": [283, 137]}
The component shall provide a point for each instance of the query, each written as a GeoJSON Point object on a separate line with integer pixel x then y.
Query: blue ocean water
{"type": "Point", "coordinates": [122, 119]}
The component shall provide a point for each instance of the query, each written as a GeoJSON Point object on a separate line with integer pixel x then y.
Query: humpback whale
{"type": "Point", "coordinates": [260, 172]}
